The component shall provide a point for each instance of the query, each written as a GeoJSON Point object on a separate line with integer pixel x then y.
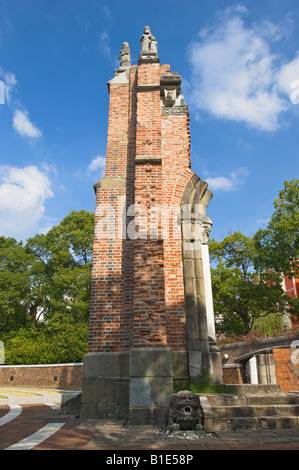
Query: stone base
{"type": "Point", "coordinates": [147, 56]}
{"type": "Point", "coordinates": [137, 385]}
{"type": "Point", "coordinates": [105, 388]}
{"type": "Point", "coordinates": [151, 385]}
{"type": "Point", "coordinates": [134, 386]}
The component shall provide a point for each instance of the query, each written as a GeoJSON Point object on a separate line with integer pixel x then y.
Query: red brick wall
{"type": "Point", "coordinates": [61, 376]}
{"type": "Point", "coordinates": [108, 331]}
{"type": "Point", "coordinates": [149, 300]}
{"type": "Point", "coordinates": [137, 295]}
{"type": "Point", "coordinates": [287, 368]}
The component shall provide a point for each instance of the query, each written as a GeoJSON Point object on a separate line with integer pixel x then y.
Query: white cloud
{"type": "Point", "coordinates": [10, 82]}
{"type": "Point", "coordinates": [23, 193]}
{"type": "Point", "coordinates": [227, 183]}
{"type": "Point", "coordinates": [104, 44]}
{"type": "Point", "coordinates": [287, 79]}
{"type": "Point", "coordinates": [235, 75]}
{"type": "Point", "coordinates": [98, 163]}
{"type": "Point", "coordinates": [23, 125]}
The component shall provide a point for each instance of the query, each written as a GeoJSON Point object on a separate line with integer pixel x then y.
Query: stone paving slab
{"type": "Point", "coordinates": [30, 396]}
{"type": "Point", "coordinates": [115, 436]}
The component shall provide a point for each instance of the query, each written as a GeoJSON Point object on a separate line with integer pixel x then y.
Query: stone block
{"type": "Point", "coordinates": [105, 391]}
{"type": "Point", "coordinates": [195, 363]}
{"type": "Point", "coordinates": [99, 390]}
{"type": "Point", "coordinates": [122, 392]}
{"type": "Point", "coordinates": [150, 362]}
{"type": "Point", "coordinates": [151, 384]}
{"type": "Point", "coordinates": [140, 416]}
{"type": "Point", "coordinates": [140, 392]}
{"type": "Point", "coordinates": [159, 416]}
{"type": "Point", "coordinates": [180, 364]}
{"type": "Point", "coordinates": [161, 390]}
{"type": "Point", "coordinates": [106, 365]}
{"type": "Point", "coordinates": [96, 411]}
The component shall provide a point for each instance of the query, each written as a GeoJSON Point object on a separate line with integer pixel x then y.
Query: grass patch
{"type": "Point", "coordinates": [210, 388]}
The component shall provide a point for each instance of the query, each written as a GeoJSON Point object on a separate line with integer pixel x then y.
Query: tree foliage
{"type": "Point", "coordinates": [45, 287]}
{"type": "Point", "coordinates": [241, 293]}
{"type": "Point", "coordinates": [278, 244]}
{"type": "Point", "coordinates": [247, 282]}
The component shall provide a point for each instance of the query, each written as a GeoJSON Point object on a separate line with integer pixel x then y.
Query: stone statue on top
{"type": "Point", "coordinates": [149, 45]}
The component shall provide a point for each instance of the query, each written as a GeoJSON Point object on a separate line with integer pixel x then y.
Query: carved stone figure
{"type": "Point", "coordinates": [169, 97]}
{"type": "Point", "coordinates": [148, 41]}
{"type": "Point", "coordinates": [207, 227]}
{"type": "Point", "coordinates": [125, 57]}
{"type": "Point", "coordinates": [184, 411]}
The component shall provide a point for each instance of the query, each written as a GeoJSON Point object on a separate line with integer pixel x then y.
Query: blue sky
{"type": "Point", "coordinates": [239, 63]}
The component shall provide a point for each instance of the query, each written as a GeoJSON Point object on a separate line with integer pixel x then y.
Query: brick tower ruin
{"type": "Point", "coordinates": [151, 311]}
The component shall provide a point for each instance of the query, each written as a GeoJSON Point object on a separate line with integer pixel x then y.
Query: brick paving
{"type": "Point", "coordinates": [105, 435]}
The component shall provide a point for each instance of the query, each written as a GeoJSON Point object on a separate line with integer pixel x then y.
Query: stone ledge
{"type": "Point", "coordinates": [111, 182]}
{"type": "Point", "coordinates": [150, 159]}
{"type": "Point", "coordinates": [148, 88]}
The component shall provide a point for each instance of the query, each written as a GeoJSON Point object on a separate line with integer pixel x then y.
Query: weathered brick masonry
{"type": "Point", "coordinates": [140, 282]}
{"type": "Point", "coordinates": [140, 312]}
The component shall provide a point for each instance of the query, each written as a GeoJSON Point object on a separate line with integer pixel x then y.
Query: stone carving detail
{"type": "Point", "coordinates": [125, 57]}
{"type": "Point", "coordinates": [167, 110]}
{"type": "Point", "coordinates": [149, 46]}
{"type": "Point", "coordinates": [184, 411]}
{"type": "Point", "coordinates": [170, 84]}
{"type": "Point", "coordinates": [169, 97]}
{"type": "Point", "coordinates": [206, 229]}
{"type": "Point", "coordinates": [148, 41]}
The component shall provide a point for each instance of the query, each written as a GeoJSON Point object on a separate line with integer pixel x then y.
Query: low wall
{"type": "Point", "coordinates": [232, 374]}
{"type": "Point", "coordinates": [236, 350]}
{"type": "Point", "coordinates": [285, 359]}
{"type": "Point", "coordinates": [61, 376]}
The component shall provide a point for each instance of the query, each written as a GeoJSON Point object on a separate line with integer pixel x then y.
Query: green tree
{"type": "Point", "coordinates": [49, 275]}
{"type": "Point", "coordinates": [240, 293]}
{"type": "Point", "coordinates": [44, 293]}
{"type": "Point", "coordinates": [278, 244]}
{"type": "Point", "coordinates": [55, 342]}
{"type": "Point", "coordinates": [62, 272]}
{"type": "Point", "coordinates": [14, 284]}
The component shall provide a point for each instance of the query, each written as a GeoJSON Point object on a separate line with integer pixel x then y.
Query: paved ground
{"type": "Point", "coordinates": [41, 426]}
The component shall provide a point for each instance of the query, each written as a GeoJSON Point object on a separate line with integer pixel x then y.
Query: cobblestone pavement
{"type": "Point", "coordinates": [42, 427]}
